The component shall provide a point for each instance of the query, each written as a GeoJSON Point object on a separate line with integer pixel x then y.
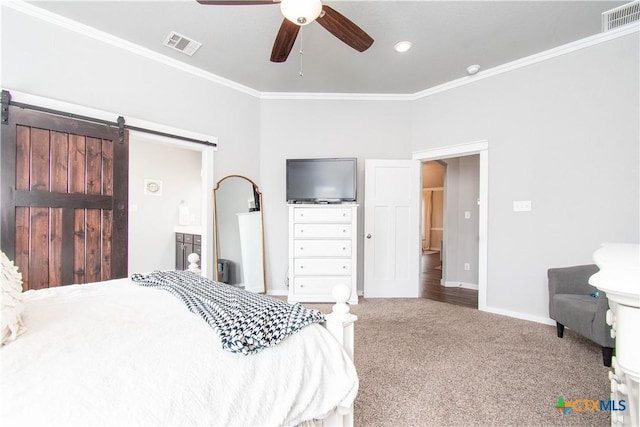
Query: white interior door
{"type": "Point", "coordinates": [392, 229]}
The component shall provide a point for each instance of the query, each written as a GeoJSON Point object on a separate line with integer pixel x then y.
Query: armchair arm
{"type": "Point", "coordinates": [571, 280]}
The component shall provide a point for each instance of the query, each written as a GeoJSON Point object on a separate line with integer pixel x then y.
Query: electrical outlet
{"type": "Point", "coordinates": [467, 267]}
{"type": "Point", "coordinates": [522, 206]}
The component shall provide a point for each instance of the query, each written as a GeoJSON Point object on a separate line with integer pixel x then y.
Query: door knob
{"type": "Point", "coordinates": [368, 236]}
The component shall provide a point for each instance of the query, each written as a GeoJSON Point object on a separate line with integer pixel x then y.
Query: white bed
{"type": "Point", "coordinates": [115, 353]}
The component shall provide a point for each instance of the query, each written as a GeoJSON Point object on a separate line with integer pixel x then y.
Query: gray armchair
{"type": "Point", "coordinates": [571, 305]}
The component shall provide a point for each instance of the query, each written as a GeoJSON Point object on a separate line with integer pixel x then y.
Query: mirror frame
{"type": "Point", "coordinates": [216, 251]}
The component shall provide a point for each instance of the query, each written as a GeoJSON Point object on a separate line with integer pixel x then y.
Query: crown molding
{"type": "Point", "coordinates": [104, 37]}
{"type": "Point", "coordinates": [530, 60]}
{"type": "Point", "coordinates": [80, 28]}
{"type": "Point", "coordinates": [335, 96]}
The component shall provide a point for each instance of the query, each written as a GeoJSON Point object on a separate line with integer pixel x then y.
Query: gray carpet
{"type": "Point", "coordinates": [426, 363]}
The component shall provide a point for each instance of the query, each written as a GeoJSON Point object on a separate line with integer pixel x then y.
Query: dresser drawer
{"type": "Point", "coordinates": [322, 215]}
{"type": "Point", "coordinates": [320, 266]}
{"type": "Point", "coordinates": [308, 248]}
{"type": "Point", "coordinates": [322, 230]}
{"type": "Point", "coordinates": [318, 285]}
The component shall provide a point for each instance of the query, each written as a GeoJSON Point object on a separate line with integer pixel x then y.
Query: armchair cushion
{"type": "Point", "coordinates": [571, 303]}
{"type": "Point", "coordinates": [575, 312]}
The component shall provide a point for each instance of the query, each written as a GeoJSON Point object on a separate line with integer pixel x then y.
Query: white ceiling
{"type": "Point", "coordinates": [447, 37]}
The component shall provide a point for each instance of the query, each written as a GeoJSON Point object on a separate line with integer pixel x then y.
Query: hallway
{"type": "Point", "coordinates": [430, 276]}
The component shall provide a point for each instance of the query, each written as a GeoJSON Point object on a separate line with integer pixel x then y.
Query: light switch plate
{"type": "Point", "coordinates": [522, 206]}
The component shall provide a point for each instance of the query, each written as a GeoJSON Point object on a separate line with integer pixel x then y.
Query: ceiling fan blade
{"type": "Point", "coordinates": [236, 2]}
{"type": "Point", "coordinates": [284, 41]}
{"type": "Point", "coordinates": [344, 29]}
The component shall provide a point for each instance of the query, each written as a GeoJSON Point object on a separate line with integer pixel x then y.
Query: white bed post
{"type": "Point", "coordinates": [340, 322]}
{"type": "Point", "coordinates": [193, 259]}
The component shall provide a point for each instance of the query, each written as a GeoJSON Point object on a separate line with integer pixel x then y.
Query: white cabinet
{"type": "Point", "coordinates": [323, 251]}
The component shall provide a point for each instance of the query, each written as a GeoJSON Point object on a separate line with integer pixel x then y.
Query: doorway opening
{"type": "Point", "coordinates": [464, 226]}
{"type": "Point", "coordinates": [449, 262]}
{"type": "Point", "coordinates": [184, 171]}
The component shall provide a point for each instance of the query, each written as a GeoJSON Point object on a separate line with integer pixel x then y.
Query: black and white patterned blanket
{"type": "Point", "coordinates": [246, 322]}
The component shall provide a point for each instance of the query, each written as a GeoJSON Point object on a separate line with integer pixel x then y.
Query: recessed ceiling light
{"type": "Point", "coordinates": [402, 46]}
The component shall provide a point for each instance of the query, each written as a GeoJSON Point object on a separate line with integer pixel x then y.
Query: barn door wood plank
{"type": "Point", "coordinates": [39, 249]}
{"type": "Point", "coordinates": [92, 246]}
{"type": "Point", "coordinates": [55, 247]}
{"type": "Point", "coordinates": [77, 161]}
{"type": "Point", "coordinates": [22, 219]}
{"type": "Point", "coordinates": [40, 160]}
{"type": "Point", "coordinates": [23, 157]}
{"type": "Point", "coordinates": [107, 227]}
{"type": "Point", "coordinates": [79, 246]}
{"type": "Point", "coordinates": [107, 167]}
{"type": "Point", "coordinates": [59, 162]}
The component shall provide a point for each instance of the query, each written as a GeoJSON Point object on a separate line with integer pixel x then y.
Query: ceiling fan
{"type": "Point", "coordinates": [302, 12]}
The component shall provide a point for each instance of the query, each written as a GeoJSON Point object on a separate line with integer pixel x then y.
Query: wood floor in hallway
{"type": "Point", "coordinates": [431, 288]}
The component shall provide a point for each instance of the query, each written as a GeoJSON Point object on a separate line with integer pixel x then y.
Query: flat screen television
{"type": "Point", "coordinates": [322, 180]}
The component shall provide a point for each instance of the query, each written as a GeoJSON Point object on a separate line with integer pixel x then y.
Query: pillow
{"type": "Point", "coordinates": [10, 300]}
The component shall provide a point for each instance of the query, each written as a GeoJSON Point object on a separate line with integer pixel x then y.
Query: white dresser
{"type": "Point", "coordinates": [619, 277]}
{"type": "Point", "coordinates": [323, 251]}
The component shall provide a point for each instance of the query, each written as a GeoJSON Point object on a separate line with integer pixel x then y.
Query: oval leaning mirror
{"type": "Point", "coordinates": [239, 243]}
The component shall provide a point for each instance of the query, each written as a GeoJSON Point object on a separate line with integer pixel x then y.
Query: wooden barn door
{"type": "Point", "coordinates": [64, 199]}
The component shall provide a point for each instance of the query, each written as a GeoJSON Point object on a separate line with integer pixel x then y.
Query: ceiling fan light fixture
{"type": "Point", "coordinates": [301, 12]}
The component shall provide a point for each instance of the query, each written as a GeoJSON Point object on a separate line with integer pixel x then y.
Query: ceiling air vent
{"type": "Point", "coordinates": [181, 43]}
{"type": "Point", "coordinates": [620, 16]}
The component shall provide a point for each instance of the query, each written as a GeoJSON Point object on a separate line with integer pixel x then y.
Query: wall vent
{"type": "Point", "coordinates": [620, 16]}
{"type": "Point", "coordinates": [181, 43]}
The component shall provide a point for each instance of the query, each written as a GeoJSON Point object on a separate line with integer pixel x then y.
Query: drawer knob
{"type": "Point", "coordinates": [618, 388]}
{"type": "Point", "coordinates": [301, 267]}
{"type": "Point", "coordinates": [344, 231]}
{"type": "Point", "coordinates": [610, 317]}
{"type": "Point", "coordinates": [344, 267]}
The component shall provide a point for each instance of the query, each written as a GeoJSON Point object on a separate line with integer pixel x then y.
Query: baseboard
{"type": "Point", "coordinates": [454, 284]}
{"type": "Point", "coordinates": [518, 315]}
{"type": "Point", "coordinates": [277, 292]}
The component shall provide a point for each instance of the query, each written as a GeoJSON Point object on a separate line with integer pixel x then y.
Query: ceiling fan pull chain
{"type": "Point", "coordinates": [300, 72]}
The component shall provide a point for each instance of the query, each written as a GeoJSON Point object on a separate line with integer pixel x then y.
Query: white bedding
{"type": "Point", "coordinates": [113, 353]}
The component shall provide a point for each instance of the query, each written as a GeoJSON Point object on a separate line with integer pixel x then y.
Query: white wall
{"type": "Point", "coordinates": [44, 59]}
{"type": "Point", "coordinates": [461, 235]}
{"type": "Point", "coordinates": [317, 128]}
{"type": "Point", "coordinates": [563, 133]}
{"type": "Point", "coordinates": [151, 225]}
